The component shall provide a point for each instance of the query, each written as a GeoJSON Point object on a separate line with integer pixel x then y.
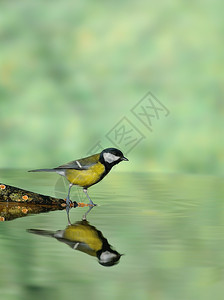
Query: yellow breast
{"type": "Point", "coordinates": [85, 178]}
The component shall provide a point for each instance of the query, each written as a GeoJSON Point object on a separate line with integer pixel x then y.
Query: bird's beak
{"type": "Point", "coordinates": [124, 158]}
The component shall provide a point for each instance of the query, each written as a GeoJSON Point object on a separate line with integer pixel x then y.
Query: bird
{"type": "Point", "coordinates": [86, 238]}
{"type": "Point", "coordinates": [87, 171]}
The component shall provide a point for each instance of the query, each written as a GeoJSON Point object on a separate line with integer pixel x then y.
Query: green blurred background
{"type": "Point", "coordinates": [71, 70]}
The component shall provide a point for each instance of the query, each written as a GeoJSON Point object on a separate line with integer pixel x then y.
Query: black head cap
{"type": "Point", "coordinates": [112, 156]}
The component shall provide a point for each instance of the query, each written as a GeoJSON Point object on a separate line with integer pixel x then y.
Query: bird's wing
{"type": "Point", "coordinates": [81, 164]}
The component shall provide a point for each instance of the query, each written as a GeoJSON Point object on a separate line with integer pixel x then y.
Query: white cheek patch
{"type": "Point", "coordinates": [108, 157]}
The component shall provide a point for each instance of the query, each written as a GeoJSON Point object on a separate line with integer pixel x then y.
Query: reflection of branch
{"type": "Point", "coordinates": [16, 203]}
{"type": "Point", "coordinates": [11, 210]}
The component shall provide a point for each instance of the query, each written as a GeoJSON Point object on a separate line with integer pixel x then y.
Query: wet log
{"type": "Point", "coordinates": [10, 193]}
{"type": "Point", "coordinates": [16, 203]}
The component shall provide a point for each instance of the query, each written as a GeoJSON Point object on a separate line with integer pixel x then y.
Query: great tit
{"type": "Point", "coordinates": [86, 238]}
{"type": "Point", "coordinates": [87, 171]}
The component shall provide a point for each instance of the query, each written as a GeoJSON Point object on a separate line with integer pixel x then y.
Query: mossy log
{"type": "Point", "coordinates": [10, 193]}
{"type": "Point", "coordinates": [16, 203]}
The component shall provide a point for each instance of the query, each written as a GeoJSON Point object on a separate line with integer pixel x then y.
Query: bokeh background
{"type": "Point", "coordinates": [71, 70]}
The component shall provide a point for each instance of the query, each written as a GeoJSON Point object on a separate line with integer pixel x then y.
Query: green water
{"type": "Point", "coordinates": [170, 229]}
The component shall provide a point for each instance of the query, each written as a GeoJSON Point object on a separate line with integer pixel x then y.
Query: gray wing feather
{"type": "Point", "coordinates": [79, 164]}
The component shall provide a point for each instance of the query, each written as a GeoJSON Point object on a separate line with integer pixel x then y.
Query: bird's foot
{"type": "Point", "coordinates": [91, 204]}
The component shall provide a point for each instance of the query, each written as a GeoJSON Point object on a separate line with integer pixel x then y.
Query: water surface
{"type": "Point", "coordinates": [170, 229]}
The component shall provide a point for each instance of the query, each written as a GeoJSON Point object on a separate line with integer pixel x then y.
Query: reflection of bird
{"type": "Point", "coordinates": [87, 171]}
{"type": "Point", "coordinates": [86, 238]}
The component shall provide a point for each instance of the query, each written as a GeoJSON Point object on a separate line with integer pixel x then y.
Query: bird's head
{"type": "Point", "coordinates": [112, 156]}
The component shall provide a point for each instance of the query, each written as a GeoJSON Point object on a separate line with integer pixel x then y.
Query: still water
{"type": "Point", "coordinates": [169, 228]}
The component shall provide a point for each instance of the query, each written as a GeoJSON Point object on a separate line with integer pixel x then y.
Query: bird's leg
{"type": "Point", "coordinates": [68, 201]}
{"type": "Point", "coordinates": [90, 201]}
{"type": "Point", "coordinates": [67, 211]}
